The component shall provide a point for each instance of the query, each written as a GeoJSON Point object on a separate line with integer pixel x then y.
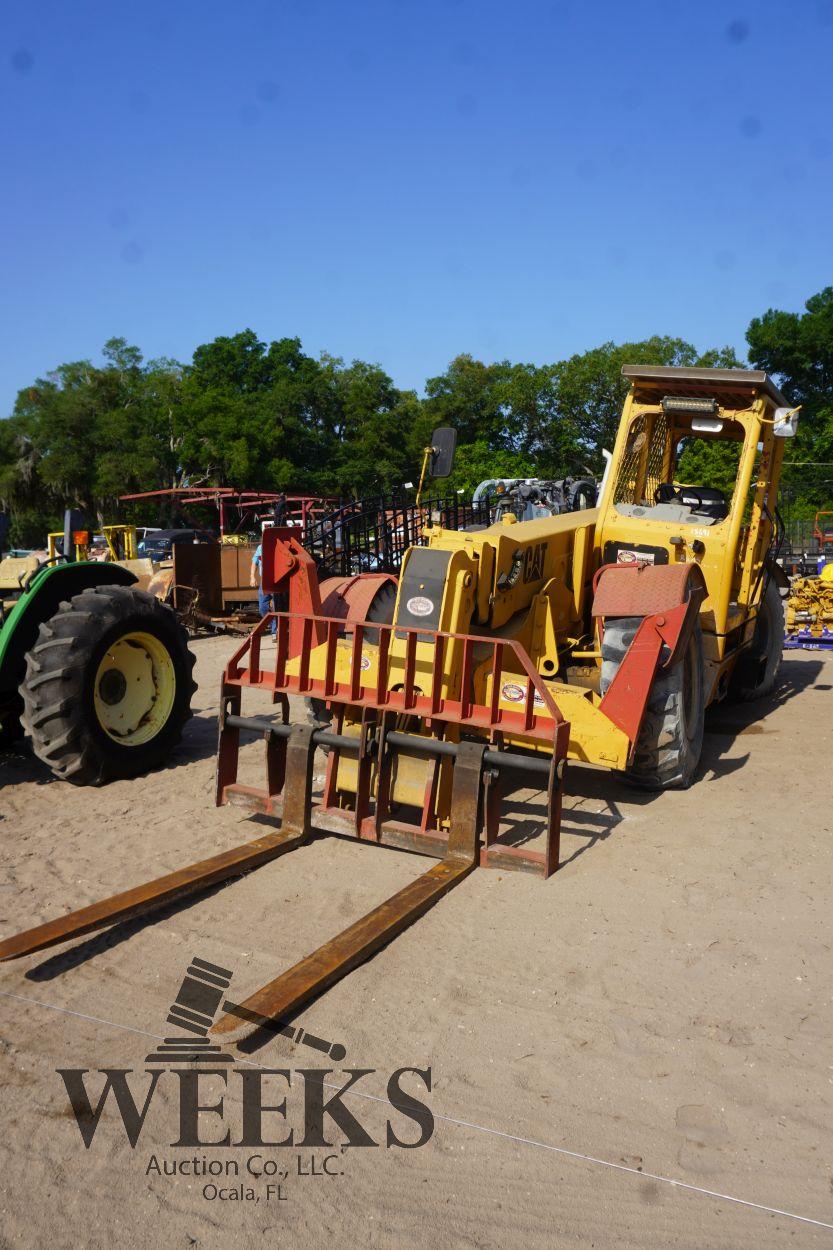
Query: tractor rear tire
{"type": "Point", "coordinates": [758, 666]}
{"type": "Point", "coordinates": [108, 686]}
{"type": "Point", "coordinates": [671, 738]}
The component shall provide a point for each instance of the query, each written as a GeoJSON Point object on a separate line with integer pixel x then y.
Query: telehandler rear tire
{"type": "Point", "coordinates": [108, 686]}
{"type": "Point", "coordinates": [671, 738]}
{"type": "Point", "coordinates": [758, 666]}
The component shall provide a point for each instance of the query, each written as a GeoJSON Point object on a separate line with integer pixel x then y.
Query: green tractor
{"type": "Point", "coordinates": [96, 671]}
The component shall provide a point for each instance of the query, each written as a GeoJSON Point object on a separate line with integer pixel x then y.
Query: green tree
{"type": "Point", "coordinates": [505, 405]}
{"type": "Point", "coordinates": [253, 413]}
{"type": "Point", "coordinates": [375, 420]}
{"type": "Point", "coordinates": [511, 410]}
{"type": "Point", "coordinates": [468, 396]}
{"type": "Point", "coordinates": [256, 414]}
{"type": "Point", "coordinates": [270, 416]}
{"type": "Point", "coordinates": [476, 462]}
{"type": "Point", "coordinates": [140, 435]}
{"type": "Point", "coordinates": [87, 433]}
{"type": "Point", "coordinates": [797, 348]}
{"type": "Point", "coordinates": [33, 511]}
{"type": "Point", "coordinates": [591, 389]}
{"type": "Point", "coordinates": [705, 463]}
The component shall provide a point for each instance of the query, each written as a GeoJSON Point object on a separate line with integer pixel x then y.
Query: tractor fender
{"type": "Point", "coordinates": [44, 594]}
{"type": "Point", "coordinates": [349, 598]}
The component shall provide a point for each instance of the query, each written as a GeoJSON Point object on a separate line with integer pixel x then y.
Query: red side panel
{"type": "Point", "coordinates": [287, 566]}
{"type": "Point", "coordinates": [644, 589]}
{"type": "Point", "coordinates": [627, 695]}
{"type": "Point", "coordinates": [668, 597]}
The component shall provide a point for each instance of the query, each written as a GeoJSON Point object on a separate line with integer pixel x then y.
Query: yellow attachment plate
{"type": "Point", "coordinates": [593, 738]}
{"type": "Point", "coordinates": [370, 658]}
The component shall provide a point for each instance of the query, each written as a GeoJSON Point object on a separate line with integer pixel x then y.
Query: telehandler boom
{"type": "Point", "coordinates": [599, 636]}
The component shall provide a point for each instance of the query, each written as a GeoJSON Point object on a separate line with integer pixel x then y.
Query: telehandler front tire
{"type": "Point", "coordinates": [380, 612]}
{"type": "Point", "coordinates": [671, 738]}
{"type": "Point", "coordinates": [108, 686]}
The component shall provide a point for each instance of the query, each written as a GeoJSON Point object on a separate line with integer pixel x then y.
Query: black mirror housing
{"type": "Point", "coordinates": [443, 446]}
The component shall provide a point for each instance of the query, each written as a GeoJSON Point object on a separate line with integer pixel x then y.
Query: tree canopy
{"type": "Point", "coordinates": [264, 415]}
{"type": "Point", "coordinates": [797, 349]}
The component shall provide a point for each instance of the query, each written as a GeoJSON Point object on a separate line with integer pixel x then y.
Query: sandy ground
{"type": "Point", "coordinates": [610, 1050]}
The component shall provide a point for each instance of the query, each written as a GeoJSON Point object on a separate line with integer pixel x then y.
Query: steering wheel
{"type": "Point", "coordinates": [666, 493]}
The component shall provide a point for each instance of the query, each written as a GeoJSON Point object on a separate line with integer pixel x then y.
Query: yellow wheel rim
{"type": "Point", "coordinates": [134, 690]}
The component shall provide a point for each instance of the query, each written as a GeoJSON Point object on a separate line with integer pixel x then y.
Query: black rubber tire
{"type": "Point", "coordinates": [671, 738]}
{"type": "Point", "coordinates": [756, 672]}
{"type": "Point", "coordinates": [380, 612]}
{"type": "Point", "coordinates": [583, 494]}
{"type": "Point", "coordinates": [59, 708]}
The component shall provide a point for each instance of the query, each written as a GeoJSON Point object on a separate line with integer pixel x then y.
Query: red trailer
{"type": "Point", "coordinates": [301, 510]}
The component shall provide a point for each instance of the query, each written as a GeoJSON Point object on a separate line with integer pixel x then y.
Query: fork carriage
{"type": "Point", "coordinates": [377, 771]}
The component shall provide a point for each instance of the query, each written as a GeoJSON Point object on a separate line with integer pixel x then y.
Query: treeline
{"type": "Point", "coordinates": [256, 415]}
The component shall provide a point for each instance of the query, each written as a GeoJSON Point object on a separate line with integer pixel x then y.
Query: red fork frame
{"type": "Point", "coordinates": [378, 695]}
{"type": "Point", "coordinates": [418, 694]}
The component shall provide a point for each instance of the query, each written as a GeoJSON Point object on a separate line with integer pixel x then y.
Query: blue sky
{"type": "Point", "coordinates": [402, 181]}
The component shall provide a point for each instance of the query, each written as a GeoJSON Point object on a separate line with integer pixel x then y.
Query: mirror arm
{"type": "Point", "coordinates": [427, 452]}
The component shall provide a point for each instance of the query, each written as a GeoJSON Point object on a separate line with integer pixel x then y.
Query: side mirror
{"type": "Point", "coordinates": [443, 446]}
{"type": "Point", "coordinates": [785, 422]}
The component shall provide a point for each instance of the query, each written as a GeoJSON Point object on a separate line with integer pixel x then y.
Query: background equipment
{"type": "Point", "coordinates": [530, 498]}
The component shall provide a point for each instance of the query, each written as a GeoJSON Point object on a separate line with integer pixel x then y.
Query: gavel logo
{"type": "Point", "coordinates": [194, 1008]}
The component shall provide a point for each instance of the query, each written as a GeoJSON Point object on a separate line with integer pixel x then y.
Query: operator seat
{"type": "Point", "coordinates": [706, 500]}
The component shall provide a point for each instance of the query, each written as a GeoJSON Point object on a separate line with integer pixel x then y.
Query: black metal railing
{"type": "Point", "coordinates": [802, 547]}
{"type": "Point", "coordinates": [372, 536]}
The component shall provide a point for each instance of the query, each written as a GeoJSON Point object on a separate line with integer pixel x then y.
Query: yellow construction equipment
{"type": "Point", "coordinates": [810, 611]}
{"type": "Point", "coordinates": [809, 622]}
{"type": "Point", "coordinates": [598, 636]}
{"type": "Point", "coordinates": [121, 542]}
{"type": "Point", "coordinates": [80, 543]}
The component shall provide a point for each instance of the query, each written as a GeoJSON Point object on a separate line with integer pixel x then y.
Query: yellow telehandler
{"type": "Point", "coordinates": [598, 636]}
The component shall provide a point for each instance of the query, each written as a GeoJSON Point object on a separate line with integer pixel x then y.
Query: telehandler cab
{"type": "Point", "coordinates": [599, 636]}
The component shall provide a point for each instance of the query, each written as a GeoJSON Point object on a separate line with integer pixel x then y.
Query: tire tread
{"type": "Point", "coordinates": [58, 667]}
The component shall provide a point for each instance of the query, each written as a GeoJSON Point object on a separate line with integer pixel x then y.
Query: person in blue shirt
{"type": "Point", "coordinates": [264, 601]}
